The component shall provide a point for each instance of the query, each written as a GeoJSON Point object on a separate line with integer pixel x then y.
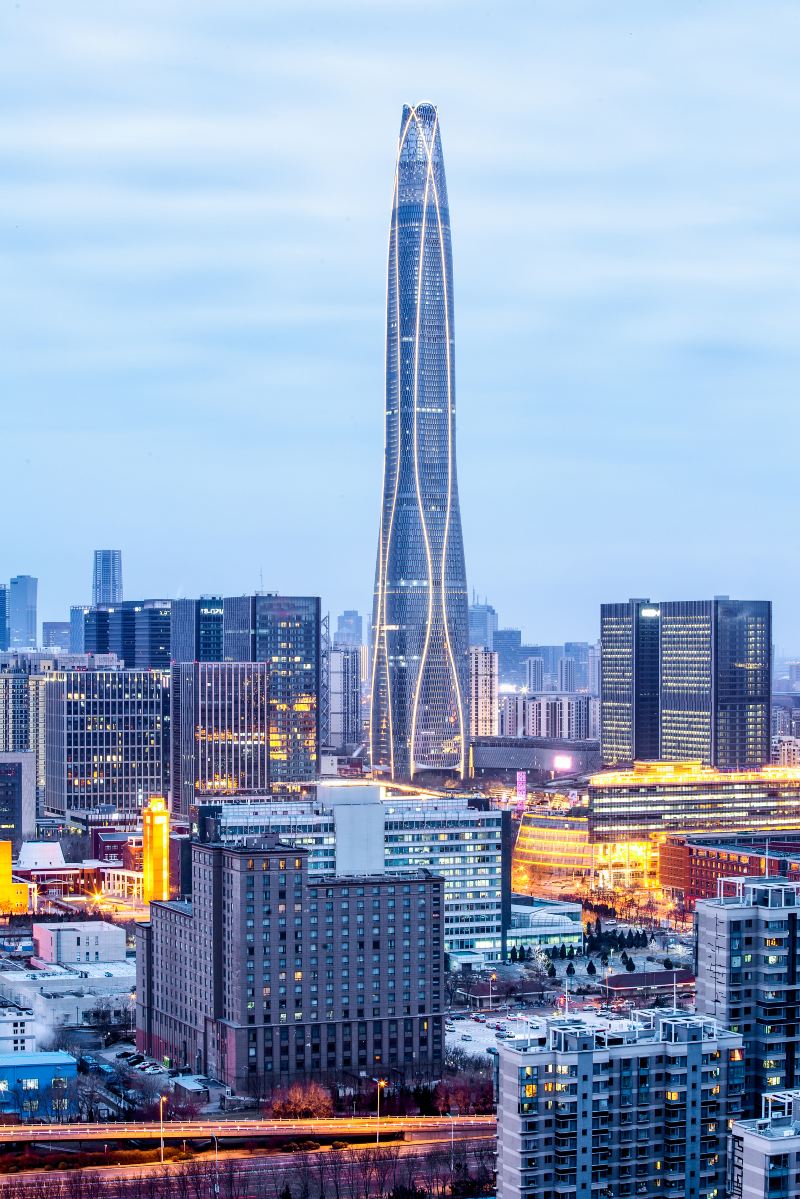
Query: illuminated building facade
{"type": "Point", "coordinates": [106, 749]}
{"type": "Point", "coordinates": [629, 673]}
{"type": "Point", "coordinates": [137, 631]}
{"type": "Point", "coordinates": [155, 851]}
{"type": "Point", "coordinates": [692, 867]}
{"type": "Point", "coordinates": [219, 730]}
{"type": "Point", "coordinates": [285, 632]}
{"type": "Point", "coordinates": [686, 679]}
{"type": "Point", "coordinates": [419, 706]}
{"type": "Point", "coordinates": [655, 799]}
{"type": "Point", "coordinates": [554, 846]}
{"type": "Point", "coordinates": [13, 896]}
{"type": "Point", "coordinates": [483, 706]}
{"type": "Point", "coordinates": [107, 577]}
{"type": "Point", "coordinates": [747, 948]}
{"type": "Point", "coordinates": [196, 629]}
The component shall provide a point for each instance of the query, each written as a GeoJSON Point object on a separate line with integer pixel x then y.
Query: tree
{"type": "Point", "coordinates": [529, 954]}
{"type": "Point", "coordinates": [630, 939]}
{"type": "Point", "coordinates": [591, 969]}
{"type": "Point", "coordinates": [303, 1101]}
{"type": "Point", "coordinates": [513, 954]}
{"type": "Point", "coordinates": [551, 971]}
{"type": "Point", "coordinates": [668, 964]}
{"type": "Point", "coordinates": [570, 970]}
{"type": "Point", "coordinates": [630, 965]}
{"type": "Point", "coordinates": [562, 952]}
{"type": "Point", "coordinates": [571, 952]}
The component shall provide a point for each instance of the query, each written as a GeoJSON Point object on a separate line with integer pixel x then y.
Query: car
{"type": "Point", "coordinates": [135, 1060]}
{"type": "Point", "coordinates": [465, 1036]}
{"type": "Point", "coordinates": [126, 1053]}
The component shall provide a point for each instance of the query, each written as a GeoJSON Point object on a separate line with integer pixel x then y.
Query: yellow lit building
{"type": "Point", "coordinates": [554, 847]}
{"type": "Point", "coordinates": [155, 850]}
{"type": "Point", "coordinates": [13, 896]}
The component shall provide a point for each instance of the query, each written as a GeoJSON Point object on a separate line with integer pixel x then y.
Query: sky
{"type": "Point", "coordinates": [193, 227]}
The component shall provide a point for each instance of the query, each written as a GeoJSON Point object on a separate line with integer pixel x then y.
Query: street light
{"type": "Point", "coordinates": [381, 1084]}
{"type": "Point", "coordinates": [216, 1164]}
{"type": "Point", "coordinates": [492, 978]}
{"type": "Point", "coordinates": [162, 1100]}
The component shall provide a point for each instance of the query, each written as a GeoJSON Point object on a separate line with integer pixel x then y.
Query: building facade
{"type": "Point", "coordinates": [22, 621]}
{"type": "Point", "coordinates": [56, 635]}
{"type": "Point", "coordinates": [764, 1153]}
{"type": "Point", "coordinates": [106, 742]}
{"type": "Point", "coordinates": [344, 696]}
{"type": "Point", "coordinates": [285, 632]}
{"type": "Point", "coordinates": [482, 625]}
{"type": "Point", "coordinates": [196, 629]}
{"type": "Point", "coordinates": [484, 717]}
{"type": "Point", "coordinates": [17, 796]}
{"type": "Point", "coordinates": [629, 681]}
{"type": "Point", "coordinates": [419, 709]}
{"type": "Point", "coordinates": [349, 629]}
{"type": "Point", "coordinates": [746, 949]}
{"type": "Point", "coordinates": [107, 577]}
{"type": "Point", "coordinates": [219, 730]}
{"type": "Point", "coordinates": [269, 974]}
{"type": "Point", "coordinates": [621, 1108]}
{"type": "Point", "coordinates": [358, 829]}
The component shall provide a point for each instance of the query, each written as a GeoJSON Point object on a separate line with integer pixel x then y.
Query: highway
{"type": "Point", "coordinates": [366, 1126]}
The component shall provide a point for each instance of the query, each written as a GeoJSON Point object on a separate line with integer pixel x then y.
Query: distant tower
{"type": "Point", "coordinates": [22, 624]}
{"type": "Point", "coordinates": [107, 580]}
{"type": "Point", "coordinates": [484, 719]}
{"type": "Point", "coordinates": [419, 703]}
{"type": "Point", "coordinates": [155, 850]}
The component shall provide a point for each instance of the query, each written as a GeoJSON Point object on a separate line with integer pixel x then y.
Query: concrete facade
{"type": "Point", "coordinates": [79, 941]}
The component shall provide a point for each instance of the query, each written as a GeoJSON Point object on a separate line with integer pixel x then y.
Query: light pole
{"type": "Point", "coordinates": [453, 1114]}
{"type": "Point", "coordinates": [492, 978]}
{"type": "Point", "coordinates": [381, 1084]}
{"type": "Point", "coordinates": [162, 1100]}
{"type": "Point", "coordinates": [216, 1164]}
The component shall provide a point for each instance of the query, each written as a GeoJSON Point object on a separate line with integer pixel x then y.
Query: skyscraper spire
{"type": "Point", "coordinates": [419, 718]}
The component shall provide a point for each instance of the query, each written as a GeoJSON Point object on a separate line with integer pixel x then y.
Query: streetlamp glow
{"type": "Point", "coordinates": [381, 1084]}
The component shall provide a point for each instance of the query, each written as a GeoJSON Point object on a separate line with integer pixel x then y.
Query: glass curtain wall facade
{"type": "Point", "coordinates": [629, 681]}
{"type": "Point", "coordinates": [107, 577]}
{"type": "Point", "coordinates": [419, 717]}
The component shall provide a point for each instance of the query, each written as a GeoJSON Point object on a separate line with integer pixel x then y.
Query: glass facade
{"type": "Point", "coordinates": [107, 577]}
{"type": "Point", "coordinates": [420, 673]}
{"type": "Point", "coordinates": [196, 629]}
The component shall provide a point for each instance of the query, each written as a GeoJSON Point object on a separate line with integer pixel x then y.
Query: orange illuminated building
{"type": "Point", "coordinates": [13, 896]}
{"type": "Point", "coordinates": [155, 851]}
{"type": "Point", "coordinates": [554, 846]}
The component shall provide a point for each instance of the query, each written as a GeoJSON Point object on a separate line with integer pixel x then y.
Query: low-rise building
{"type": "Point", "coordinates": [764, 1153]}
{"type": "Point", "coordinates": [600, 1107]}
{"type": "Point", "coordinates": [79, 941]}
{"type": "Point", "coordinates": [92, 993]}
{"type": "Point", "coordinates": [17, 1030]}
{"type": "Point", "coordinates": [269, 973]}
{"type": "Point", "coordinates": [542, 923]}
{"type": "Point", "coordinates": [38, 1086]}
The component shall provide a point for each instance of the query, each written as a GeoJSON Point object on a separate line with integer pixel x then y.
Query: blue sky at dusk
{"type": "Point", "coordinates": [193, 229]}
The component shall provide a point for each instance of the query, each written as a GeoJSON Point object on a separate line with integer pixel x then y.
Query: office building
{"type": "Point", "coordinates": [56, 635]}
{"type": "Point", "coordinates": [4, 616]}
{"type": "Point", "coordinates": [77, 622]}
{"type": "Point", "coordinates": [566, 674]}
{"type": "Point", "coordinates": [38, 1086]}
{"type": "Point", "coordinates": [690, 868]}
{"type": "Point", "coordinates": [484, 718]}
{"type": "Point", "coordinates": [359, 829]}
{"type": "Point", "coordinates": [350, 983]}
{"type": "Point", "coordinates": [687, 679]}
{"type": "Point", "coordinates": [107, 577]}
{"type": "Point", "coordinates": [349, 629]}
{"type": "Point", "coordinates": [344, 696]}
{"type": "Point", "coordinates": [534, 675]}
{"type": "Point", "coordinates": [419, 717]}
{"type": "Point", "coordinates": [106, 748]}
{"type": "Point", "coordinates": [654, 798]}
{"type": "Point", "coordinates": [482, 625]}
{"type": "Point", "coordinates": [79, 941]}
{"type": "Point", "coordinates": [578, 651]}
{"type": "Point", "coordinates": [508, 645]}
{"type": "Point", "coordinates": [196, 629]}
{"type": "Point", "coordinates": [284, 631]}
{"type": "Point", "coordinates": [615, 1107]}
{"type": "Point", "coordinates": [17, 796]}
{"type": "Point", "coordinates": [551, 655]}
{"type": "Point", "coordinates": [746, 951]}
{"type": "Point", "coordinates": [764, 1153]}
{"type": "Point", "coordinates": [137, 631]}
{"type": "Point", "coordinates": [219, 730]}
{"type": "Point", "coordinates": [593, 669]}
{"type": "Point", "coordinates": [15, 732]}
{"type": "Point", "coordinates": [22, 622]}
{"type": "Point", "coordinates": [155, 851]}
{"type": "Point", "coordinates": [629, 682]}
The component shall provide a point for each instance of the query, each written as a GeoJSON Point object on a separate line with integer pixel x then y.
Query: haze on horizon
{"type": "Point", "coordinates": [193, 228]}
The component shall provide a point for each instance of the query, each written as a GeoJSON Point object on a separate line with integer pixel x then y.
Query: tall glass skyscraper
{"type": "Point", "coordinates": [107, 577]}
{"type": "Point", "coordinates": [419, 717]}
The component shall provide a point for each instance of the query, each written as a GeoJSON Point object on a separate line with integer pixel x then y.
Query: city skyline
{"type": "Point", "coordinates": [634, 283]}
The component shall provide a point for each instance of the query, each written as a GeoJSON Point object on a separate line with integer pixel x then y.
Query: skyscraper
{"type": "Point", "coordinates": [483, 705]}
{"type": "Point", "coordinates": [482, 625]}
{"type": "Point", "coordinates": [196, 629]}
{"type": "Point", "coordinates": [22, 612]}
{"type": "Point", "coordinates": [419, 718]}
{"type": "Point", "coordinates": [344, 696]}
{"type": "Point", "coordinates": [107, 577]}
{"type": "Point", "coordinates": [349, 628]}
{"type": "Point", "coordinates": [629, 678]}
{"type": "Point", "coordinates": [4, 605]}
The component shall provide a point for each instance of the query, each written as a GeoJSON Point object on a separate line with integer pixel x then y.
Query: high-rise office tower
{"type": "Point", "coordinates": [508, 645]}
{"type": "Point", "coordinates": [593, 669]}
{"type": "Point", "coordinates": [22, 612]}
{"type": "Point", "coordinates": [419, 718]}
{"type": "Point", "coordinates": [137, 631]}
{"type": "Point", "coordinates": [196, 629]}
{"type": "Point", "coordinates": [716, 673]}
{"type": "Point", "coordinates": [284, 631]}
{"type": "Point", "coordinates": [4, 613]}
{"type": "Point", "coordinates": [482, 625]}
{"type": "Point", "coordinates": [219, 730]}
{"type": "Point", "coordinates": [566, 674]}
{"type": "Point", "coordinates": [579, 652]}
{"type": "Point", "coordinates": [349, 628]}
{"type": "Point", "coordinates": [629, 680]}
{"type": "Point", "coordinates": [106, 747]}
{"type": "Point", "coordinates": [344, 696]}
{"type": "Point", "coordinates": [77, 629]}
{"type": "Point", "coordinates": [56, 635]}
{"type": "Point", "coordinates": [484, 718]}
{"type": "Point", "coordinates": [107, 577]}
{"type": "Point", "coordinates": [534, 675]}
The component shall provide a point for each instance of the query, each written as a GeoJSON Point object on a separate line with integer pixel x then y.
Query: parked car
{"type": "Point", "coordinates": [126, 1053]}
{"type": "Point", "coordinates": [465, 1036]}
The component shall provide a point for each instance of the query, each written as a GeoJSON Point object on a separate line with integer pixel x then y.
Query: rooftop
{"type": "Point", "coordinates": [678, 774]}
{"type": "Point", "coordinates": [648, 1026]}
{"type": "Point", "coordinates": [51, 1057]}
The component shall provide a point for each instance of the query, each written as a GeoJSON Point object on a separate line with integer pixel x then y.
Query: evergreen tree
{"type": "Point", "coordinates": [562, 952]}
{"type": "Point", "coordinates": [513, 954]}
{"type": "Point", "coordinates": [630, 965]}
{"type": "Point", "coordinates": [591, 969]}
{"type": "Point", "coordinates": [570, 970]}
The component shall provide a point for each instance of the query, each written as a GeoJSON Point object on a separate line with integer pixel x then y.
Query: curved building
{"type": "Point", "coordinates": [419, 718]}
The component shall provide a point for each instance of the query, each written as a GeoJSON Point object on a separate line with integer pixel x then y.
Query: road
{"type": "Point", "coordinates": [323, 1174]}
{"type": "Point", "coordinates": [202, 1129]}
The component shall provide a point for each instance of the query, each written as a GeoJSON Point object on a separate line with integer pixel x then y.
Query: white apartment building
{"type": "Point", "coordinates": [483, 684]}
{"type": "Point", "coordinates": [764, 1154]}
{"type": "Point", "coordinates": [17, 1030]}
{"type": "Point", "coordinates": [79, 941]}
{"type": "Point", "coordinates": [598, 1107]}
{"type": "Point", "coordinates": [359, 829]}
